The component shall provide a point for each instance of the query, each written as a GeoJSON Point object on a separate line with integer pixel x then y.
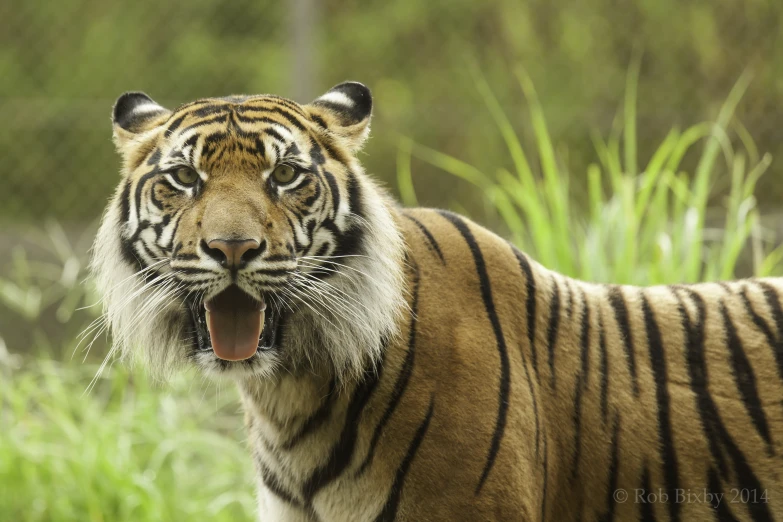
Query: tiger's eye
{"type": "Point", "coordinates": [283, 174]}
{"type": "Point", "coordinates": [186, 176]}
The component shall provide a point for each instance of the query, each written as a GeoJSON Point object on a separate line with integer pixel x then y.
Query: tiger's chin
{"type": "Point", "coordinates": [234, 335]}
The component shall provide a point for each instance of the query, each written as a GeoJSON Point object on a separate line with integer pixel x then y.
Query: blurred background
{"type": "Point", "coordinates": [636, 141]}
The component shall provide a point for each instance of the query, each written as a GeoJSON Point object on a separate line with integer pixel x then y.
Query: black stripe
{"type": "Point", "coordinates": [140, 184]}
{"type": "Point", "coordinates": [292, 119]}
{"type": "Point", "coordinates": [260, 119]}
{"type": "Point", "coordinates": [431, 243]}
{"type": "Point", "coordinates": [142, 226]}
{"type": "Point", "coordinates": [711, 416]}
{"type": "Point", "coordinates": [349, 241]}
{"type": "Point", "coordinates": [721, 507]}
{"type": "Point", "coordinates": [620, 308]}
{"type": "Point", "coordinates": [316, 420]}
{"type": "Point", "coordinates": [272, 133]}
{"type": "Point", "coordinates": [154, 157]}
{"type": "Point", "coordinates": [342, 451]}
{"type": "Point", "coordinates": [745, 379]}
{"type": "Point", "coordinates": [551, 331]}
{"type": "Point", "coordinates": [355, 203]}
{"type": "Point", "coordinates": [333, 152]}
{"type": "Point", "coordinates": [614, 473]}
{"type": "Point", "coordinates": [570, 306]}
{"type": "Point", "coordinates": [401, 384]}
{"type": "Point", "coordinates": [127, 250]}
{"type": "Point", "coordinates": [210, 109]}
{"type": "Point", "coordinates": [530, 304]}
{"type": "Point", "coordinates": [273, 484]}
{"type": "Point", "coordinates": [489, 306]}
{"type": "Point", "coordinates": [318, 120]}
{"type": "Point", "coordinates": [211, 143]}
{"type": "Point", "coordinates": [604, 362]}
{"type": "Point", "coordinates": [771, 296]}
{"type": "Point", "coordinates": [125, 204]}
{"type": "Point", "coordinates": [759, 321]}
{"type": "Point", "coordinates": [334, 189]}
{"type": "Point", "coordinates": [132, 257]}
{"type": "Point", "coordinates": [646, 508]}
{"type": "Point", "coordinates": [260, 148]}
{"type": "Point", "coordinates": [157, 203]}
{"type": "Point", "coordinates": [697, 372]}
{"type": "Point", "coordinates": [266, 101]}
{"type": "Point", "coordinates": [298, 246]}
{"type": "Point", "coordinates": [389, 510]}
{"type": "Point", "coordinates": [585, 338]}
{"type": "Point", "coordinates": [192, 270]}
{"type": "Point", "coordinates": [175, 252]}
{"type": "Point", "coordinates": [185, 257]}
{"type": "Point", "coordinates": [316, 153]}
{"type": "Point", "coordinates": [658, 365]}
{"type": "Point", "coordinates": [525, 266]}
{"type": "Point", "coordinates": [145, 249]}
{"type": "Point", "coordinates": [191, 142]}
{"type": "Point", "coordinates": [581, 383]}
{"type": "Point", "coordinates": [222, 118]}
{"type": "Point", "coordinates": [175, 125]}
{"type": "Point", "coordinates": [175, 228]}
{"type": "Point", "coordinates": [288, 103]}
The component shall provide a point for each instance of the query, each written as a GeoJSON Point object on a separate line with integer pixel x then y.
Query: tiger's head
{"type": "Point", "coordinates": [245, 237]}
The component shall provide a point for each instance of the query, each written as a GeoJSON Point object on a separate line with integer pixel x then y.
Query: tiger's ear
{"type": "Point", "coordinates": [345, 111]}
{"type": "Point", "coordinates": [133, 114]}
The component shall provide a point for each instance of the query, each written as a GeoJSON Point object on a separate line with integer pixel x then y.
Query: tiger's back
{"type": "Point", "coordinates": [609, 402]}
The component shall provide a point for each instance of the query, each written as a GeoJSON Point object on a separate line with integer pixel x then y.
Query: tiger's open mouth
{"type": "Point", "coordinates": [234, 325]}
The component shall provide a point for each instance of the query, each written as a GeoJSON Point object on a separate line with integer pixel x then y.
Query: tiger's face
{"type": "Point", "coordinates": [233, 216]}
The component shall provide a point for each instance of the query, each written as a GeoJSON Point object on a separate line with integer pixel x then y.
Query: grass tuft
{"type": "Point", "coordinates": [128, 451]}
{"type": "Point", "coordinates": [657, 225]}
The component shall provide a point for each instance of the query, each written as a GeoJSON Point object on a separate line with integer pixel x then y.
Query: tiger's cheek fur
{"type": "Point", "coordinates": [135, 337]}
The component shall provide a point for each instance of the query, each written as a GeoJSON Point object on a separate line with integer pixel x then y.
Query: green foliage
{"type": "Point", "coordinates": [641, 225]}
{"type": "Point", "coordinates": [45, 292]}
{"type": "Point", "coordinates": [125, 451]}
{"type": "Point", "coordinates": [64, 63]}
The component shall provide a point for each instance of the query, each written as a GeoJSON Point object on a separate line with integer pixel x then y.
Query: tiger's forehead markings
{"type": "Point", "coordinates": [240, 119]}
{"type": "Point", "coordinates": [269, 122]}
{"type": "Point", "coordinates": [276, 105]}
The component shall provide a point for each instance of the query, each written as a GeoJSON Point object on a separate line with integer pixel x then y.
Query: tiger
{"type": "Point", "coordinates": [408, 364]}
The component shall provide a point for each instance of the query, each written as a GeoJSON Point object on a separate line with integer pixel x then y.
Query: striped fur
{"type": "Point", "coordinates": [494, 390]}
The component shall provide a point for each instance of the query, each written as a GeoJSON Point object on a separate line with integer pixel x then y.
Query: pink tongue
{"type": "Point", "coordinates": [235, 322]}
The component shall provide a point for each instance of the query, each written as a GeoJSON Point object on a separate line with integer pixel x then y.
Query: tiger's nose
{"type": "Point", "coordinates": [233, 253]}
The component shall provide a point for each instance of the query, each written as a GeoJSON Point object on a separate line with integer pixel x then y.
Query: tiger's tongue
{"type": "Point", "coordinates": [235, 321]}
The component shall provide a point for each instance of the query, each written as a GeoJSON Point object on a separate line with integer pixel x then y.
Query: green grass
{"type": "Point", "coordinates": [127, 451]}
{"type": "Point", "coordinates": [133, 451]}
{"type": "Point", "coordinates": [625, 222]}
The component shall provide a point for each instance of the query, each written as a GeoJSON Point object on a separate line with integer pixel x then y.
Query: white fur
{"type": "Point", "coordinates": [147, 107]}
{"type": "Point", "coordinates": [338, 98]}
{"type": "Point", "coordinates": [146, 324]}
